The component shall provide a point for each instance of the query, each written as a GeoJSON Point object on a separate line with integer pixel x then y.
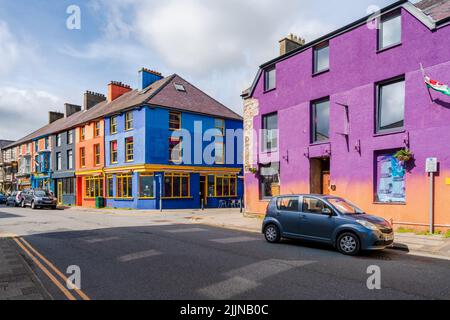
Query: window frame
{"type": "Point", "coordinates": [129, 121]}
{"type": "Point", "coordinates": [82, 133]}
{"type": "Point", "coordinates": [313, 120]}
{"type": "Point", "coordinates": [58, 140]}
{"type": "Point", "coordinates": [172, 121]}
{"type": "Point", "coordinates": [113, 125]}
{"type": "Point", "coordinates": [83, 157]}
{"type": "Point", "coordinates": [180, 176]}
{"type": "Point", "coordinates": [69, 137]}
{"type": "Point", "coordinates": [381, 20]}
{"type": "Point", "coordinates": [97, 129]}
{"type": "Point", "coordinates": [120, 194]}
{"type": "Point", "coordinates": [112, 152]}
{"type": "Point", "coordinates": [108, 179]}
{"type": "Point", "coordinates": [265, 133]}
{"type": "Point", "coordinates": [267, 72]}
{"type": "Point", "coordinates": [179, 146]}
{"type": "Point", "coordinates": [378, 87]}
{"type": "Point", "coordinates": [316, 49]}
{"type": "Point", "coordinates": [129, 157]}
{"type": "Point", "coordinates": [261, 177]}
{"type": "Point", "coordinates": [225, 177]}
{"type": "Point", "coordinates": [146, 175]}
{"type": "Point", "coordinates": [58, 161]}
{"type": "Point", "coordinates": [70, 159]}
{"type": "Point", "coordinates": [95, 180]}
{"type": "Point", "coordinates": [97, 155]}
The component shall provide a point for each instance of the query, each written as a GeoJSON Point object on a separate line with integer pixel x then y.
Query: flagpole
{"type": "Point", "coordinates": [424, 76]}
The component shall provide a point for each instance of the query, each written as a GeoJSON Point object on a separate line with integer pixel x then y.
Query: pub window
{"type": "Point", "coordinates": [97, 154]}
{"type": "Point", "coordinates": [270, 79]}
{"type": "Point", "coordinates": [390, 30]}
{"type": "Point", "coordinates": [176, 185]}
{"type": "Point", "coordinates": [93, 187]}
{"type": "Point", "coordinates": [222, 185]}
{"type": "Point", "coordinates": [320, 120]}
{"type": "Point", "coordinates": [270, 132]}
{"type": "Point", "coordinates": [129, 120]}
{"type": "Point", "coordinates": [113, 124]}
{"type": "Point", "coordinates": [124, 186]}
{"type": "Point", "coordinates": [174, 120]}
{"type": "Point", "coordinates": [269, 177]}
{"type": "Point", "coordinates": [391, 105]}
{"type": "Point", "coordinates": [146, 186]}
{"type": "Point", "coordinates": [129, 149]}
{"type": "Point", "coordinates": [110, 186]}
{"type": "Point", "coordinates": [322, 58]}
{"type": "Point", "coordinates": [113, 152]}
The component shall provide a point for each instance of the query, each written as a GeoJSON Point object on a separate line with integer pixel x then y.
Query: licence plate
{"type": "Point", "coordinates": [389, 237]}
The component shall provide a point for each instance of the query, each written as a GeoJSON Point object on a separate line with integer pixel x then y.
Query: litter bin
{"type": "Point", "coordinates": [99, 202]}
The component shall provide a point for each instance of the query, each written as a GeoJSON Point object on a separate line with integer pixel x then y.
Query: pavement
{"type": "Point", "coordinates": [17, 280]}
{"type": "Point", "coordinates": [197, 255]}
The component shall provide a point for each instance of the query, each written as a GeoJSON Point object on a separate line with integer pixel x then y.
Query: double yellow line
{"type": "Point", "coordinates": [47, 267]}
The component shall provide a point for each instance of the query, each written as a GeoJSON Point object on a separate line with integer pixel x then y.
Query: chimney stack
{"type": "Point", "coordinates": [53, 116]}
{"type": "Point", "coordinates": [71, 109]}
{"type": "Point", "coordinates": [117, 89]}
{"type": "Point", "coordinates": [148, 77]}
{"type": "Point", "coordinates": [290, 43]}
{"type": "Point", "coordinates": [92, 98]}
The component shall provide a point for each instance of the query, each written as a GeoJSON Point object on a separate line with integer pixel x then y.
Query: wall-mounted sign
{"type": "Point", "coordinates": [431, 165]}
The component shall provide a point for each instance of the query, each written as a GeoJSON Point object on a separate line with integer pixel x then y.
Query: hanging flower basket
{"type": "Point", "coordinates": [253, 170]}
{"type": "Point", "coordinates": [404, 155]}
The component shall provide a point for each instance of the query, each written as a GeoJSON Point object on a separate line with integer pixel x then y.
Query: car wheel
{"type": "Point", "coordinates": [348, 244]}
{"type": "Point", "coordinates": [22, 203]}
{"type": "Point", "coordinates": [53, 207]}
{"type": "Point", "coordinates": [33, 206]}
{"type": "Point", "coordinates": [272, 233]}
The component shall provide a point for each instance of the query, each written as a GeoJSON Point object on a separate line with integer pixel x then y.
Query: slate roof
{"type": "Point", "coordinates": [4, 143]}
{"type": "Point", "coordinates": [160, 93]}
{"type": "Point", "coordinates": [436, 9]}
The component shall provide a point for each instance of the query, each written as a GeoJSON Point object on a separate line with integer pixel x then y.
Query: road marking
{"type": "Point", "coordinates": [186, 230]}
{"type": "Point", "coordinates": [234, 240]}
{"type": "Point", "coordinates": [97, 240]}
{"type": "Point", "coordinates": [249, 277]}
{"type": "Point", "coordinates": [139, 255]}
{"type": "Point", "coordinates": [46, 271]}
{"type": "Point", "coordinates": [229, 288]}
{"type": "Point", "coordinates": [55, 269]}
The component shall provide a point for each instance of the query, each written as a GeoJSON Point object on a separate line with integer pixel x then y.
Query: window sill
{"type": "Point", "coordinates": [392, 46]}
{"type": "Point", "coordinates": [127, 130]}
{"type": "Point", "coordinates": [319, 143]}
{"type": "Point", "coordinates": [179, 198]}
{"type": "Point", "coordinates": [145, 198]}
{"type": "Point", "coordinates": [389, 132]}
{"type": "Point", "coordinates": [390, 203]}
{"type": "Point", "coordinates": [269, 90]}
{"type": "Point", "coordinates": [124, 199]}
{"type": "Point", "coordinates": [222, 196]}
{"type": "Point", "coordinates": [318, 73]}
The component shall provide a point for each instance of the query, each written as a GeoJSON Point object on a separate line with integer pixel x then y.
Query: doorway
{"type": "Point", "coordinates": [320, 176]}
{"type": "Point", "coordinates": [203, 198]}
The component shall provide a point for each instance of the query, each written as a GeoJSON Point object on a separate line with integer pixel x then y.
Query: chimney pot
{"type": "Point", "coordinates": [92, 98]}
{"type": "Point", "coordinates": [290, 43]}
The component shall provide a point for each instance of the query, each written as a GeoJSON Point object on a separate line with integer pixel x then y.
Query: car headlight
{"type": "Point", "coordinates": [367, 224]}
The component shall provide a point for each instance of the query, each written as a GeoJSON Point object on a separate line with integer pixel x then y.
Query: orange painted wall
{"type": "Point", "coordinates": [89, 142]}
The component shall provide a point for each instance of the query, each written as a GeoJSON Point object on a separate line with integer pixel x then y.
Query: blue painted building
{"type": "Point", "coordinates": [168, 143]}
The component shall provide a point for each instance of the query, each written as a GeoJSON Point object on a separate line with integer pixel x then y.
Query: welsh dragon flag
{"type": "Point", "coordinates": [437, 86]}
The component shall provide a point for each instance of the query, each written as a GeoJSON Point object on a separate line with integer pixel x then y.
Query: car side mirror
{"type": "Point", "coordinates": [327, 211]}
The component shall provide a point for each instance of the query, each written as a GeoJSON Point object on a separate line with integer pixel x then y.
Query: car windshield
{"type": "Point", "coordinates": [344, 206]}
{"type": "Point", "coordinates": [41, 193]}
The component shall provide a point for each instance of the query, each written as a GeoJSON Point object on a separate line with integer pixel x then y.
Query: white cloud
{"type": "Point", "coordinates": [24, 109]}
{"type": "Point", "coordinates": [9, 50]}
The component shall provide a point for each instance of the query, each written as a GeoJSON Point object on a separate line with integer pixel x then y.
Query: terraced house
{"type": "Point", "coordinates": [148, 166]}
{"type": "Point", "coordinates": [335, 112]}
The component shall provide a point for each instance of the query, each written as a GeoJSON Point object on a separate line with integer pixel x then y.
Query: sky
{"type": "Point", "coordinates": [217, 45]}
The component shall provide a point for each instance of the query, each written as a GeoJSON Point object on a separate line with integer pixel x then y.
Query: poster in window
{"type": "Point", "coordinates": [391, 180]}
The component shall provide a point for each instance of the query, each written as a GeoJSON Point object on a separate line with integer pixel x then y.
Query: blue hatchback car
{"type": "Point", "coordinates": [326, 219]}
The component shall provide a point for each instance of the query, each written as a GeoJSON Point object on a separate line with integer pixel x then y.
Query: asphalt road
{"type": "Point", "coordinates": [186, 261]}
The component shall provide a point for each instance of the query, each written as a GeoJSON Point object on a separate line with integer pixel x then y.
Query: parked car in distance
{"type": "Point", "coordinates": [38, 198]}
{"type": "Point", "coordinates": [2, 198]}
{"type": "Point", "coordinates": [14, 199]}
{"type": "Point", "coordinates": [326, 219]}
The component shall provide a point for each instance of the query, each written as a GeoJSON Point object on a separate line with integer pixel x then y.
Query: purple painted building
{"type": "Point", "coordinates": [330, 116]}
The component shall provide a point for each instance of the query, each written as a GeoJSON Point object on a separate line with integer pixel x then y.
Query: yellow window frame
{"type": "Point", "coordinates": [227, 179]}
{"type": "Point", "coordinates": [143, 175]}
{"type": "Point", "coordinates": [129, 145]}
{"type": "Point", "coordinates": [119, 185]}
{"type": "Point", "coordinates": [108, 179]}
{"type": "Point", "coordinates": [113, 124]}
{"type": "Point", "coordinates": [82, 133]}
{"type": "Point", "coordinates": [178, 176]}
{"type": "Point", "coordinates": [176, 123]}
{"type": "Point", "coordinates": [82, 157]}
{"type": "Point", "coordinates": [97, 129]}
{"type": "Point", "coordinates": [92, 182]}
{"type": "Point", "coordinates": [112, 152]}
{"type": "Point", "coordinates": [97, 154]}
{"type": "Point", "coordinates": [129, 120]}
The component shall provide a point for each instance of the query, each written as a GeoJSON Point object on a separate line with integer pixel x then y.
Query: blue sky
{"type": "Point", "coordinates": [216, 44]}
